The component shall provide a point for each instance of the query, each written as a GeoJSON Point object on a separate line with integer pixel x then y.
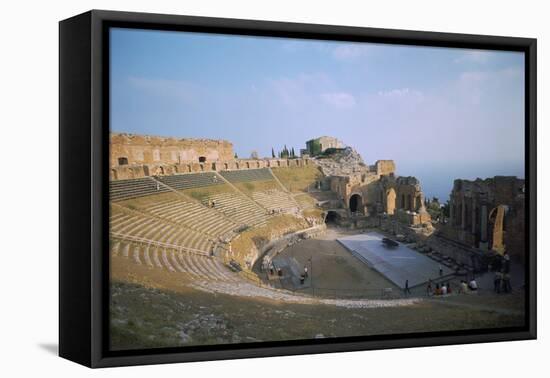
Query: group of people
{"type": "Point", "coordinates": [446, 288]}
{"type": "Point", "coordinates": [502, 275]}
{"type": "Point", "coordinates": [502, 283]}
{"type": "Point", "coordinates": [439, 289]}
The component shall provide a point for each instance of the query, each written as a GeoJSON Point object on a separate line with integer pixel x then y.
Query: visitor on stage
{"type": "Point", "coordinates": [473, 285]}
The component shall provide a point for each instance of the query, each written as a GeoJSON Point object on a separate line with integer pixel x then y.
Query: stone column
{"type": "Point", "coordinates": [451, 212]}
{"type": "Point", "coordinates": [484, 223]}
{"type": "Point", "coordinates": [463, 220]}
{"type": "Point", "coordinates": [474, 220]}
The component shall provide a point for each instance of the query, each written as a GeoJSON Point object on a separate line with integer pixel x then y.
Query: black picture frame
{"type": "Point", "coordinates": [83, 181]}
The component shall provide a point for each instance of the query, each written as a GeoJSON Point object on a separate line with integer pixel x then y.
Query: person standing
{"type": "Point", "coordinates": [497, 282]}
{"type": "Point", "coordinates": [429, 289]}
{"type": "Point", "coordinates": [407, 290]}
{"type": "Point", "coordinates": [473, 285]}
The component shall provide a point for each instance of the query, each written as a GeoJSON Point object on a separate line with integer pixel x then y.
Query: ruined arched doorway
{"type": "Point", "coordinates": [356, 203]}
{"type": "Point", "coordinates": [331, 218]}
{"type": "Point", "coordinates": [390, 201]}
{"type": "Point", "coordinates": [202, 159]}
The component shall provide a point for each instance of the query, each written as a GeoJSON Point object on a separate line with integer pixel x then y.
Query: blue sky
{"type": "Point", "coordinates": [440, 113]}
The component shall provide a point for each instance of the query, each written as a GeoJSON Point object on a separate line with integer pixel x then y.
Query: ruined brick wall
{"type": "Point", "coordinates": [474, 214]}
{"type": "Point", "coordinates": [378, 190]}
{"type": "Point", "coordinates": [385, 167]}
{"type": "Point", "coordinates": [131, 149]}
{"type": "Point", "coordinates": [144, 156]}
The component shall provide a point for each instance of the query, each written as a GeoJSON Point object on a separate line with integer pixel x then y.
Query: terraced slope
{"type": "Point", "coordinates": [275, 201]}
{"type": "Point", "coordinates": [185, 211]}
{"type": "Point", "coordinates": [126, 189]}
{"type": "Point", "coordinates": [132, 225]}
{"type": "Point", "coordinates": [191, 265]}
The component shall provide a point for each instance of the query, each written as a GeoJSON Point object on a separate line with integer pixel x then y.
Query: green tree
{"type": "Point", "coordinates": [434, 208]}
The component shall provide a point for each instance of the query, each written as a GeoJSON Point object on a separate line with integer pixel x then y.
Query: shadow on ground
{"type": "Point", "coordinates": [51, 348]}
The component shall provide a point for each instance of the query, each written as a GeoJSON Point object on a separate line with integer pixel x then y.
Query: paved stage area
{"type": "Point", "coordinates": [397, 264]}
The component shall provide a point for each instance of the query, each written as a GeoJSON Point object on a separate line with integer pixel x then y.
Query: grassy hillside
{"type": "Point", "coordinates": [297, 179]}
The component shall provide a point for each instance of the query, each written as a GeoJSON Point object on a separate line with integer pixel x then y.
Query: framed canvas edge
{"type": "Point", "coordinates": [99, 271]}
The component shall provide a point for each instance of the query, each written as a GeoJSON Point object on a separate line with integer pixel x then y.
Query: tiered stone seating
{"type": "Point", "coordinates": [275, 201]}
{"type": "Point", "coordinates": [247, 175]}
{"type": "Point", "coordinates": [238, 207]}
{"type": "Point", "coordinates": [193, 215]}
{"type": "Point", "coordinates": [193, 265]}
{"type": "Point", "coordinates": [126, 189]}
{"type": "Point", "coordinates": [191, 180]}
{"type": "Point", "coordinates": [137, 226]}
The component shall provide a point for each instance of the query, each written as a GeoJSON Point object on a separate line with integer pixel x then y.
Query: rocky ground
{"type": "Point", "coordinates": [144, 317]}
{"type": "Point", "coordinates": [342, 162]}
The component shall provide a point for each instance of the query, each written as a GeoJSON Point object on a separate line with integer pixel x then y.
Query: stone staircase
{"type": "Point", "coordinates": [237, 207]}
{"type": "Point", "coordinates": [194, 266]}
{"type": "Point", "coordinates": [275, 201]}
{"type": "Point", "coordinates": [195, 216]}
{"type": "Point", "coordinates": [262, 174]}
{"type": "Point", "coordinates": [127, 189]}
{"type": "Point", "coordinates": [190, 180]}
{"type": "Point", "coordinates": [132, 225]}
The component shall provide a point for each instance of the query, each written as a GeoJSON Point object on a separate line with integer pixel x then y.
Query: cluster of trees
{"type": "Point", "coordinates": [285, 153]}
{"type": "Point", "coordinates": [436, 209]}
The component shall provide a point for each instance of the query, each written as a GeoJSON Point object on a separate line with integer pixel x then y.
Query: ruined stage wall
{"type": "Point", "coordinates": [131, 149]}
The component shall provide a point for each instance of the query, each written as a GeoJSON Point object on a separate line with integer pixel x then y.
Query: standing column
{"type": "Point", "coordinates": [463, 221]}
{"type": "Point", "coordinates": [474, 219]}
{"type": "Point", "coordinates": [483, 223]}
{"type": "Point", "coordinates": [451, 211]}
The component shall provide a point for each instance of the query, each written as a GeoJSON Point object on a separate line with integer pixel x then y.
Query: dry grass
{"type": "Point", "coordinates": [201, 194]}
{"type": "Point", "coordinates": [314, 213]}
{"type": "Point", "coordinates": [297, 179]}
{"type": "Point", "coordinates": [257, 186]}
{"type": "Point", "coordinates": [147, 318]}
{"type": "Point", "coordinates": [247, 245]}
